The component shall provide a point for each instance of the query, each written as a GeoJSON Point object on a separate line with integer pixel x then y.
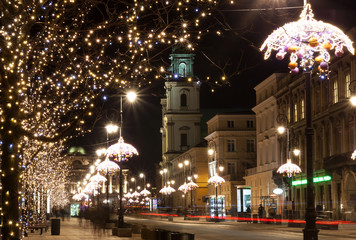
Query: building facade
{"type": "Point", "coordinates": [333, 120]}
{"type": "Point", "coordinates": [180, 130]}
{"type": "Point", "coordinates": [232, 143]}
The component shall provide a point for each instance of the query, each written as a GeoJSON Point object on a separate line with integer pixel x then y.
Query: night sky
{"type": "Point", "coordinates": [142, 120]}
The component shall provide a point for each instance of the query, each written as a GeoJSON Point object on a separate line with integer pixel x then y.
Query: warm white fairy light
{"type": "Point", "coordinates": [289, 168]}
{"type": "Point", "coordinates": [307, 41]}
{"type": "Point", "coordinates": [57, 61]}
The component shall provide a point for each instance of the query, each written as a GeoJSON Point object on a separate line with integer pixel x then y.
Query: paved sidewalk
{"type": "Point", "coordinates": [74, 230]}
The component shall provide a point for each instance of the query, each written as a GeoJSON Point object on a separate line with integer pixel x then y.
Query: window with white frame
{"type": "Point", "coordinates": [295, 112]}
{"type": "Point", "coordinates": [230, 145]}
{"type": "Point", "coordinates": [347, 85]}
{"type": "Point", "coordinates": [336, 91]}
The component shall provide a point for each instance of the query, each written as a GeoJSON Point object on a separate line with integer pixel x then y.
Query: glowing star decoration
{"type": "Point", "coordinates": [184, 188]}
{"type": "Point", "coordinates": [216, 180]}
{"type": "Point", "coordinates": [145, 192]}
{"type": "Point", "coordinates": [289, 168]}
{"type": "Point", "coordinates": [107, 167]}
{"type": "Point", "coordinates": [121, 151]}
{"type": "Point", "coordinates": [353, 156]}
{"type": "Point", "coordinates": [192, 185]}
{"type": "Point", "coordinates": [308, 41]}
{"type": "Point", "coordinates": [98, 178]}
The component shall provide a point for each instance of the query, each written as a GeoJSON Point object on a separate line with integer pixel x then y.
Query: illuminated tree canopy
{"type": "Point", "coordinates": [57, 60]}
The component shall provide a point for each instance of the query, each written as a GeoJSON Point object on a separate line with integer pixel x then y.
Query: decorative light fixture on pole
{"type": "Point", "coordinates": [184, 187]}
{"type": "Point", "coordinates": [107, 168]}
{"type": "Point", "coordinates": [120, 152]}
{"type": "Point", "coordinates": [309, 42]}
{"type": "Point", "coordinates": [216, 180]}
{"type": "Point", "coordinates": [144, 192]}
{"type": "Point", "coordinates": [289, 168]}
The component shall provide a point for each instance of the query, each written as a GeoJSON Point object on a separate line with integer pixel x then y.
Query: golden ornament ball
{"type": "Point", "coordinates": [319, 59]}
{"type": "Point", "coordinates": [292, 65]}
{"type": "Point", "coordinates": [327, 46]}
{"type": "Point", "coordinates": [313, 42]}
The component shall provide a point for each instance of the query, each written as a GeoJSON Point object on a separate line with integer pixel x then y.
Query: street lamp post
{"type": "Point", "coordinates": [216, 180]}
{"type": "Point", "coordinates": [308, 42]}
{"type": "Point", "coordinates": [110, 129]}
{"type": "Point", "coordinates": [121, 151]}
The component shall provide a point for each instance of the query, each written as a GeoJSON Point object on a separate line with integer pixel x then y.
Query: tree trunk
{"type": "Point", "coordinates": [10, 183]}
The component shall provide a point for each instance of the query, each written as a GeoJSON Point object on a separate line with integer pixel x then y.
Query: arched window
{"type": "Point", "coordinates": [182, 70]}
{"type": "Point", "coordinates": [183, 100]}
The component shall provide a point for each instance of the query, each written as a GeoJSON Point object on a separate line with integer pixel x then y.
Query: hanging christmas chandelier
{"type": "Point", "coordinates": [289, 168]}
{"type": "Point", "coordinates": [121, 151]}
{"type": "Point", "coordinates": [80, 196]}
{"type": "Point", "coordinates": [216, 180]}
{"type": "Point", "coordinates": [145, 192]}
{"type": "Point", "coordinates": [98, 178]}
{"type": "Point", "coordinates": [192, 185]}
{"type": "Point", "coordinates": [135, 194]}
{"type": "Point", "coordinates": [107, 167]}
{"type": "Point", "coordinates": [91, 188]}
{"type": "Point", "coordinates": [184, 188]}
{"type": "Point", "coordinates": [167, 190]}
{"type": "Point", "coordinates": [128, 195]}
{"type": "Point", "coordinates": [307, 41]}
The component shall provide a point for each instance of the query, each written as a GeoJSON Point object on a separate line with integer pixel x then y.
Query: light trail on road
{"type": "Point", "coordinates": [230, 231]}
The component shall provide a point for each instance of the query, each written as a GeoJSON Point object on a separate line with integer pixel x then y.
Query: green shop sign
{"type": "Point", "coordinates": [316, 180]}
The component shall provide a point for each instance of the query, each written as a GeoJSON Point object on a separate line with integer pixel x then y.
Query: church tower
{"type": "Point", "coordinates": [180, 107]}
